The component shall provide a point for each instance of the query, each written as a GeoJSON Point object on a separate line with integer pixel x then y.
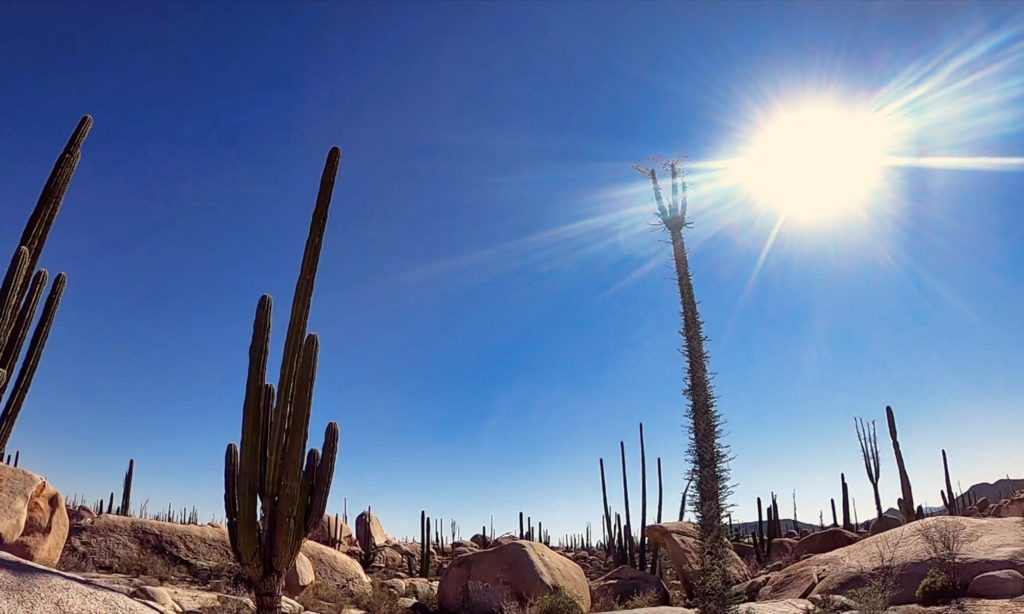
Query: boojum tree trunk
{"type": "Point", "coordinates": [708, 456]}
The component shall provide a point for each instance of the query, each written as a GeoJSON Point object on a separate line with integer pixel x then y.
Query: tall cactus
{"type": "Point", "coordinates": [906, 502]}
{"type": "Point", "coordinates": [654, 554]}
{"type": "Point", "coordinates": [126, 489]}
{"type": "Point", "coordinates": [643, 501]}
{"type": "Point", "coordinates": [609, 542]}
{"type": "Point", "coordinates": [846, 504]}
{"type": "Point", "coordinates": [950, 501]}
{"type": "Point", "coordinates": [23, 285]}
{"type": "Point", "coordinates": [268, 466]}
{"type": "Point", "coordinates": [628, 535]}
{"type": "Point", "coordinates": [706, 451]}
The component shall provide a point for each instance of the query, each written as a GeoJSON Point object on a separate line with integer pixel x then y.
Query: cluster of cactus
{"type": "Point", "coordinates": [23, 285]}
{"type": "Point", "coordinates": [182, 516]}
{"type": "Point", "coordinates": [335, 534]}
{"type": "Point", "coordinates": [577, 541]}
{"type": "Point", "coordinates": [267, 469]}
{"type": "Point", "coordinates": [424, 545]}
{"type": "Point", "coordinates": [619, 541]}
{"type": "Point", "coordinates": [763, 539]}
{"type": "Point", "coordinates": [527, 531]}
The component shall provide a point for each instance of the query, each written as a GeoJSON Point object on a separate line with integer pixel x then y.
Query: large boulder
{"type": "Point", "coordinates": [335, 568]}
{"type": "Point", "coordinates": [1013, 508]}
{"type": "Point", "coordinates": [682, 542]}
{"type": "Point", "coordinates": [299, 577]}
{"type": "Point", "coordinates": [33, 518]}
{"type": "Point", "coordinates": [518, 572]}
{"type": "Point", "coordinates": [332, 531]}
{"type": "Point", "coordinates": [198, 552]}
{"type": "Point", "coordinates": [988, 544]}
{"type": "Point", "coordinates": [1002, 584]}
{"type": "Point", "coordinates": [27, 587]}
{"type": "Point", "coordinates": [824, 541]}
{"type": "Point", "coordinates": [885, 522]}
{"type": "Point", "coordinates": [370, 532]}
{"type": "Point", "coordinates": [623, 583]}
{"type": "Point", "coordinates": [782, 549]}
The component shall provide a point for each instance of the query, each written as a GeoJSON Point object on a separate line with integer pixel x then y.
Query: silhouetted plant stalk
{"type": "Point", "coordinates": [906, 502]}
{"type": "Point", "coordinates": [643, 501]}
{"type": "Point", "coordinates": [949, 498]}
{"type": "Point", "coordinates": [628, 535]}
{"type": "Point", "coordinates": [23, 285]}
{"type": "Point", "coordinates": [869, 453]}
{"type": "Point", "coordinates": [706, 452]}
{"type": "Point", "coordinates": [268, 467]}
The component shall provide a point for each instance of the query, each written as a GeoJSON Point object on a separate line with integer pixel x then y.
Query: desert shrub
{"type": "Point", "coordinates": [882, 578]}
{"type": "Point", "coordinates": [870, 600]}
{"type": "Point", "coordinates": [944, 539]}
{"type": "Point", "coordinates": [322, 597]}
{"type": "Point", "coordinates": [139, 563]}
{"type": "Point", "coordinates": [558, 602]}
{"type": "Point", "coordinates": [378, 600]}
{"type": "Point", "coordinates": [226, 605]}
{"type": "Point", "coordinates": [430, 600]}
{"type": "Point", "coordinates": [938, 586]}
{"type": "Point", "coordinates": [603, 602]}
{"type": "Point", "coordinates": [825, 604]}
{"type": "Point", "coordinates": [647, 599]}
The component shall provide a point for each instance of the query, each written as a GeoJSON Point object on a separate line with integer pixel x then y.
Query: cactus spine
{"type": "Point", "coordinates": [22, 286]}
{"type": "Point", "coordinates": [268, 466]}
{"type": "Point", "coordinates": [907, 507]}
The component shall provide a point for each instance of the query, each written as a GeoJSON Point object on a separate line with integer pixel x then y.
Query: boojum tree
{"type": "Point", "coordinates": [706, 452]}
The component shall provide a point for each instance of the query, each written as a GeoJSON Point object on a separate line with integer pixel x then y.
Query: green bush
{"type": "Point", "coordinates": [558, 602]}
{"type": "Point", "coordinates": [938, 586]}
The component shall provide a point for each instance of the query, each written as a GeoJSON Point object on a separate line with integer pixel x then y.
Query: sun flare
{"type": "Point", "coordinates": [816, 163]}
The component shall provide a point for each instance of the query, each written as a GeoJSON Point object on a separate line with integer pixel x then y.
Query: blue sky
{"type": "Point", "coordinates": [496, 310]}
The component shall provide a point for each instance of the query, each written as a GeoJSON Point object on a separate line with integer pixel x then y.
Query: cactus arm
{"type": "Point", "coordinates": [22, 323]}
{"type": "Point", "coordinates": [9, 297]}
{"type": "Point", "coordinates": [247, 472]}
{"type": "Point", "coordinates": [324, 476]}
{"type": "Point", "coordinates": [31, 361]}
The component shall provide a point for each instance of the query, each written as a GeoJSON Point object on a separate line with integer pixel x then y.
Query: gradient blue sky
{"type": "Point", "coordinates": [495, 308]}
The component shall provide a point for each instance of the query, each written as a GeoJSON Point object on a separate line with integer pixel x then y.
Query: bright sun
{"type": "Point", "coordinates": [816, 163]}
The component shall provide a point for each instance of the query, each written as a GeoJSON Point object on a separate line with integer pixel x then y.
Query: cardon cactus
{"type": "Point", "coordinates": [23, 286]}
{"type": "Point", "coordinates": [268, 466]}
